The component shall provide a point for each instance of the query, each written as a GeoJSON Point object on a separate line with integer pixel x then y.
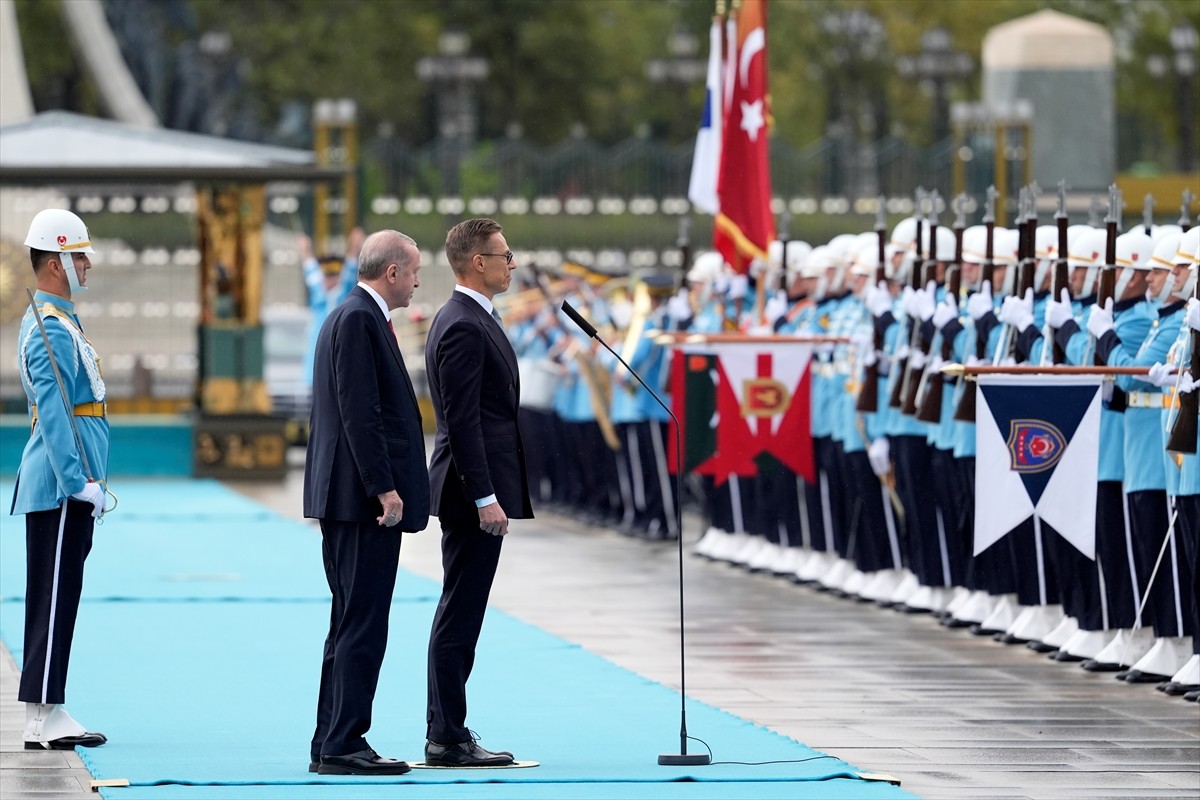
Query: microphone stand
{"type": "Point", "coordinates": [682, 758]}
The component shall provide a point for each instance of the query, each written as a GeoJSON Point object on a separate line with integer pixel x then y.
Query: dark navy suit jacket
{"type": "Point", "coordinates": [365, 436]}
{"type": "Point", "coordinates": [472, 373]}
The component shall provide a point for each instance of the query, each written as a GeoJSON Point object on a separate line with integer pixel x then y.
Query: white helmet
{"type": "Point", "coordinates": [1189, 246]}
{"type": "Point", "coordinates": [975, 244]}
{"type": "Point", "coordinates": [1165, 249]}
{"type": "Point", "coordinates": [1163, 257]}
{"type": "Point", "coordinates": [1133, 253]}
{"type": "Point", "coordinates": [1087, 251]}
{"type": "Point", "coordinates": [797, 253]}
{"type": "Point", "coordinates": [905, 233]}
{"type": "Point", "coordinates": [866, 254]}
{"type": "Point", "coordinates": [56, 230]}
{"type": "Point", "coordinates": [706, 267]}
{"type": "Point", "coordinates": [946, 243]}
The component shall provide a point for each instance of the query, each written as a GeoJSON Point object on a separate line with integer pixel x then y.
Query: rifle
{"type": "Point", "coordinates": [965, 410]}
{"type": "Point", "coordinates": [1023, 274]}
{"type": "Point", "coordinates": [930, 407]}
{"type": "Point", "coordinates": [1062, 273]}
{"type": "Point", "coordinates": [914, 375]}
{"type": "Point", "coordinates": [1182, 432]}
{"type": "Point", "coordinates": [1148, 213]}
{"type": "Point", "coordinates": [1185, 211]}
{"type": "Point", "coordinates": [900, 367]}
{"type": "Point", "coordinates": [868, 395]}
{"type": "Point", "coordinates": [1108, 273]}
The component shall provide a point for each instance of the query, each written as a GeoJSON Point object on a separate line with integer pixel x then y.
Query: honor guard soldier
{"type": "Point", "coordinates": [61, 486]}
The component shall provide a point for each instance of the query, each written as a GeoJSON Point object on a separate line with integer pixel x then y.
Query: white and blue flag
{"type": "Point", "coordinates": [706, 159]}
{"type": "Point", "coordinates": [1038, 449]}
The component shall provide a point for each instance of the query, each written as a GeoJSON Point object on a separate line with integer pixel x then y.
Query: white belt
{"type": "Point", "coordinates": [1148, 399]}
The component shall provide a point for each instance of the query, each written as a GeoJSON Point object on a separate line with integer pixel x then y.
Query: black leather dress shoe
{"type": "Point", "coordinates": [1172, 688]}
{"type": "Point", "coordinates": [1092, 665]}
{"type": "Point", "coordinates": [313, 766]}
{"type": "Point", "coordinates": [1040, 647]}
{"type": "Point", "coordinates": [1138, 676]}
{"type": "Point", "coordinates": [88, 739]}
{"type": "Point", "coordinates": [364, 762]}
{"type": "Point", "coordinates": [464, 754]}
{"type": "Point", "coordinates": [1192, 696]}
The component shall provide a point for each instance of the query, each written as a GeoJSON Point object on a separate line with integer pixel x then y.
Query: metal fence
{"type": "Point", "coordinates": [641, 167]}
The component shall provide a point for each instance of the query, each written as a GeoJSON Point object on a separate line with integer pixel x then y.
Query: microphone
{"type": "Point", "coordinates": [682, 758]}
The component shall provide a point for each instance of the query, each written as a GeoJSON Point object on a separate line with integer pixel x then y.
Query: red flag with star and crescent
{"type": "Point", "coordinates": [744, 226]}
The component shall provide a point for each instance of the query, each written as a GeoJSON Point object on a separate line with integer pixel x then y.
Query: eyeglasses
{"type": "Point", "coordinates": [507, 255]}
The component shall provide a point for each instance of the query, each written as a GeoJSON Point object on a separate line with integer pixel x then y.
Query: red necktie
{"type": "Point", "coordinates": [391, 327]}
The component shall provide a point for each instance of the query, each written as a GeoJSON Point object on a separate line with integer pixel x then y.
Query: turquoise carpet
{"type": "Point", "coordinates": [198, 650]}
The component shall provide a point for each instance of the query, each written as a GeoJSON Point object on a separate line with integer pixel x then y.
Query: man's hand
{"type": "Point", "coordinates": [493, 520]}
{"type": "Point", "coordinates": [393, 509]}
{"type": "Point", "coordinates": [1192, 315]}
{"type": "Point", "coordinates": [94, 494]}
{"type": "Point", "coordinates": [877, 300]}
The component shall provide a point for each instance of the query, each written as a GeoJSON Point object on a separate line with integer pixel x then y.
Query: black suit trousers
{"type": "Point", "coordinates": [361, 560]}
{"type": "Point", "coordinates": [469, 559]}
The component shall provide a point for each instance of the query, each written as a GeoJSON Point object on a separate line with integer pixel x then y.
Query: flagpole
{"type": "Point", "coordinates": [1039, 369]}
{"type": "Point", "coordinates": [672, 338]}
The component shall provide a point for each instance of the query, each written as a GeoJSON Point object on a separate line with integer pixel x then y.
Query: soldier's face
{"type": "Point", "coordinates": [1156, 278]}
{"type": "Point", "coordinates": [78, 262]}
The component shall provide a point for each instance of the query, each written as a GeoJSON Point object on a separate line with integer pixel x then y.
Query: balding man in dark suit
{"type": "Point", "coordinates": [477, 475]}
{"type": "Point", "coordinates": [365, 479]}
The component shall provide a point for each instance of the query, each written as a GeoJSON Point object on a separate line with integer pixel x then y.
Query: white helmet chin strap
{"type": "Point", "coordinates": [1164, 294]}
{"type": "Point", "coordinates": [1089, 282]}
{"type": "Point", "coordinates": [1188, 286]}
{"type": "Point", "coordinates": [68, 262]}
{"type": "Point", "coordinates": [1123, 282]}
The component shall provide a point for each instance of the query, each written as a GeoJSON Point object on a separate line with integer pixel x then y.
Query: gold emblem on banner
{"type": "Point", "coordinates": [764, 397]}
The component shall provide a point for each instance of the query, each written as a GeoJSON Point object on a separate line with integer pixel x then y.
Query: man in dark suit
{"type": "Point", "coordinates": [476, 475]}
{"type": "Point", "coordinates": [365, 480]}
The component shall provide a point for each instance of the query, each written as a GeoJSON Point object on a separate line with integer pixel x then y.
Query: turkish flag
{"type": "Point", "coordinates": [744, 226]}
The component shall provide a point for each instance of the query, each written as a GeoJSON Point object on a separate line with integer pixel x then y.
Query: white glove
{"type": "Point", "coordinates": [739, 285]}
{"type": "Point", "coordinates": [917, 360]}
{"type": "Point", "coordinates": [906, 295]}
{"type": "Point", "coordinates": [921, 303]}
{"type": "Point", "coordinates": [91, 493]}
{"type": "Point", "coordinates": [1059, 312]}
{"type": "Point", "coordinates": [720, 284]}
{"type": "Point", "coordinates": [776, 307]}
{"type": "Point", "coordinates": [879, 454]}
{"type": "Point", "coordinates": [1192, 315]}
{"type": "Point", "coordinates": [945, 311]}
{"type": "Point", "coordinates": [1186, 384]}
{"type": "Point", "coordinates": [877, 299]}
{"type": "Point", "coordinates": [870, 357]}
{"type": "Point", "coordinates": [980, 303]}
{"type": "Point", "coordinates": [678, 307]}
{"type": "Point", "coordinates": [1018, 312]}
{"type": "Point", "coordinates": [1161, 375]}
{"type": "Point", "coordinates": [901, 352]}
{"type": "Point", "coordinates": [1100, 321]}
